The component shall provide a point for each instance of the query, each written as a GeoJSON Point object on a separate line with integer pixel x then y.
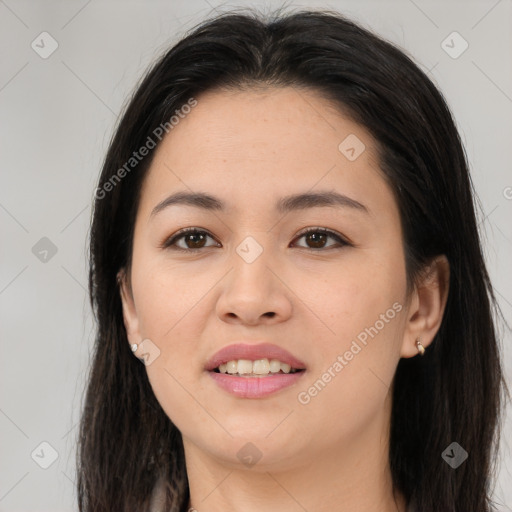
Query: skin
{"type": "Point", "coordinates": [249, 148]}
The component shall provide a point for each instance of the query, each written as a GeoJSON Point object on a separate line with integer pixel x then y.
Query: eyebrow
{"type": "Point", "coordinates": [284, 205]}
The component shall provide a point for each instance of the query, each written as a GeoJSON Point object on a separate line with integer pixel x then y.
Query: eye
{"type": "Point", "coordinates": [317, 237]}
{"type": "Point", "coordinates": [193, 239]}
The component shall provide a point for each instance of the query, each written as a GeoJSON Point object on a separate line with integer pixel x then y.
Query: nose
{"type": "Point", "coordinates": [254, 293]}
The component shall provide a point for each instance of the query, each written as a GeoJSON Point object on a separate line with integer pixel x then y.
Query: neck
{"type": "Point", "coordinates": [353, 476]}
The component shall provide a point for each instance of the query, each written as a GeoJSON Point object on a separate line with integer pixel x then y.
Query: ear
{"type": "Point", "coordinates": [427, 306]}
{"type": "Point", "coordinates": [131, 321]}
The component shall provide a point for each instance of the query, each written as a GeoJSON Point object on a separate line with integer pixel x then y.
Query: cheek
{"type": "Point", "coordinates": [362, 305]}
{"type": "Point", "coordinates": [165, 296]}
{"type": "Point", "coordinates": [169, 307]}
{"type": "Point", "coordinates": [353, 298]}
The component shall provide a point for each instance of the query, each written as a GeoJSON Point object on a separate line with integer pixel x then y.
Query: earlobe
{"type": "Point", "coordinates": [427, 307]}
{"type": "Point", "coordinates": [130, 319]}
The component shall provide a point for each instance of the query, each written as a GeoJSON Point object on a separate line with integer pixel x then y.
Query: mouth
{"type": "Point", "coordinates": [254, 371]}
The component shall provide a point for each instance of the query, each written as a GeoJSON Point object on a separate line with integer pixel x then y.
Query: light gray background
{"type": "Point", "coordinates": [57, 116]}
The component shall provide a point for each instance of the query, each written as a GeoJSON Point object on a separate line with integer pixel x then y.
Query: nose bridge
{"type": "Point", "coordinates": [252, 288]}
{"type": "Point", "coordinates": [251, 258]}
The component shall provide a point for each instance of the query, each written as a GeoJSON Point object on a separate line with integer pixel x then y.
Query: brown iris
{"type": "Point", "coordinates": [317, 239]}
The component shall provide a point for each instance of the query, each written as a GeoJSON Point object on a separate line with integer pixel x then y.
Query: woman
{"type": "Point", "coordinates": [284, 234]}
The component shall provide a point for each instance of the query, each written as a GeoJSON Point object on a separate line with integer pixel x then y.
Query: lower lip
{"type": "Point", "coordinates": [255, 387]}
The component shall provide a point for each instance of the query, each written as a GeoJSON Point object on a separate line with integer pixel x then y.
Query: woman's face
{"type": "Point", "coordinates": [252, 276]}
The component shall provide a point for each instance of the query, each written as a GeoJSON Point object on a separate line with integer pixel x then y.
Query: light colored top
{"type": "Point", "coordinates": [158, 501]}
{"type": "Point", "coordinates": [157, 498]}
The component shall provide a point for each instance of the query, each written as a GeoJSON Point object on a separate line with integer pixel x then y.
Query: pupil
{"type": "Point", "coordinates": [318, 239]}
{"type": "Point", "coordinates": [196, 235]}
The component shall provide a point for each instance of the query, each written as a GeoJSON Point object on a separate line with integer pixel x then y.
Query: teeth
{"type": "Point", "coordinates": [232, 366]}
{"type": "Point", "coordinates": [258, 367]}
{"type": "Point", "coordinates": [275, 365]}
{"type": "Point", "coordinates": [285, 367]}
{"type": "Point", "coordinates": [244, 366]}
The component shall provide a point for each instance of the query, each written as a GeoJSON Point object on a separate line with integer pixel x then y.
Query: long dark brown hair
{"type": "Point", "coordinates": [454, 393]}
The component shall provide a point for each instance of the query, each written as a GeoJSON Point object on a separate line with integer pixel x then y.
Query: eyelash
{"type": "Point", "coordinates": [170, 243]}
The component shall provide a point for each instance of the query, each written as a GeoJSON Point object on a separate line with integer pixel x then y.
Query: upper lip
{"type": "Point", "coordinates": [252, 352]}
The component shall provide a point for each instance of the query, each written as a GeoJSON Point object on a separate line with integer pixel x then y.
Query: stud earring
{"type": "Point", "coordinates": [421, 348]}
{"type": "Point", "coordinates": [134, 347]}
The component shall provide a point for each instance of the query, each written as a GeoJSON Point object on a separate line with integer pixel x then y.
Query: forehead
{"type": "Point", "coordinates": [263, 144]}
